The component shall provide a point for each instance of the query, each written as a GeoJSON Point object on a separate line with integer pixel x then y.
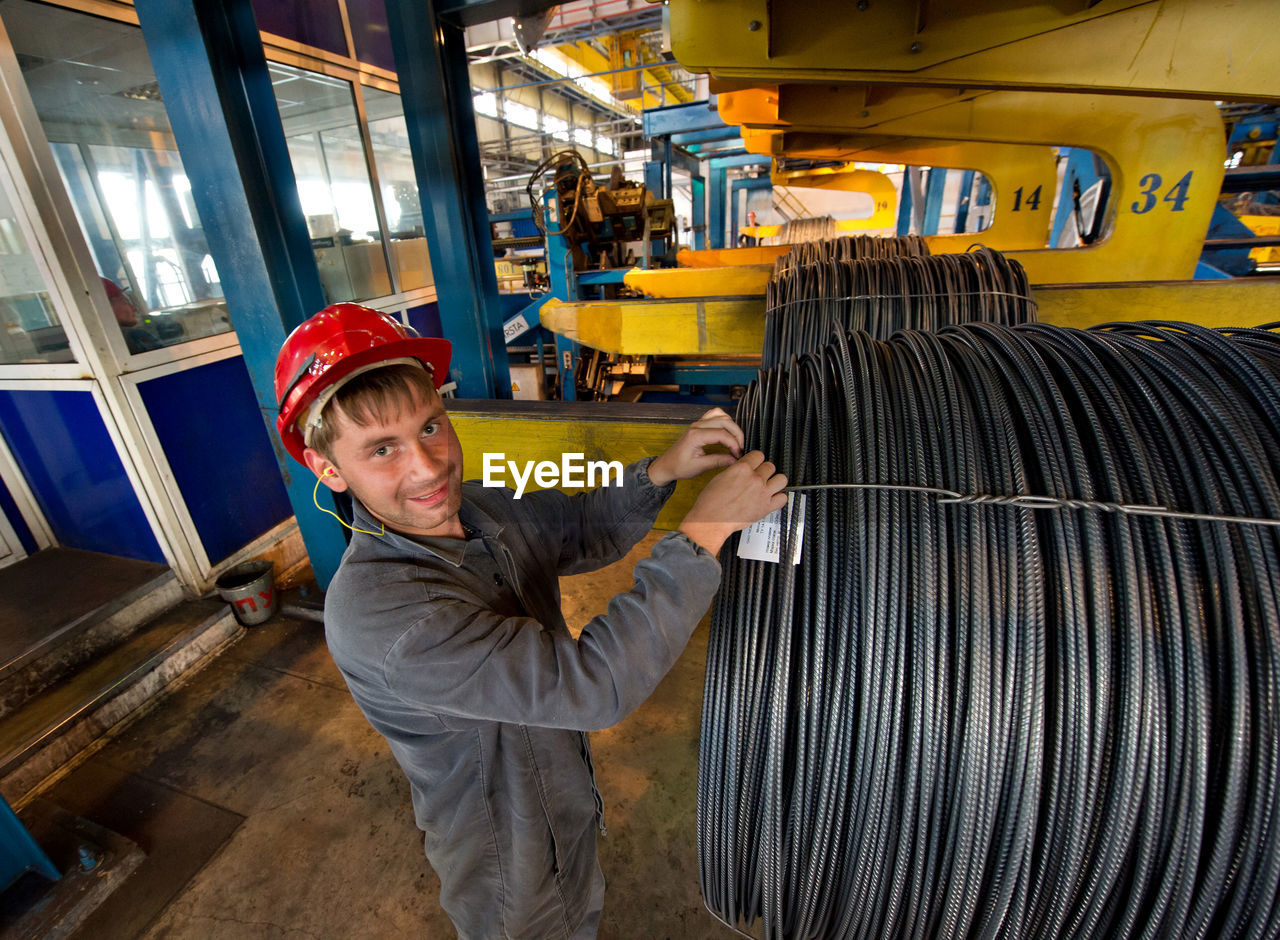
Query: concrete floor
{"type": "Point", "coordinates": [269, 807]}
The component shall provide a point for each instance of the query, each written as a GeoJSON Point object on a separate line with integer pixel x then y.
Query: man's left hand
{"type": "Point", "coordinates": [689, 456]}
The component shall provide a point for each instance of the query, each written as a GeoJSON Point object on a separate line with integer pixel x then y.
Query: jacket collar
{"type": "Point", "coordinates": [454, 551]}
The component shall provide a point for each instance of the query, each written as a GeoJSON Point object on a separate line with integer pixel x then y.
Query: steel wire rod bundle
{"type": "Point", "coordinates": [806, 301]}
{"type": "Point", "coordinates": [957, 719]}
{"type": "Point", "coordinates": [851, 247]}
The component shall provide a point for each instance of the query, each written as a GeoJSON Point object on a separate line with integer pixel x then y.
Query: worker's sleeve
{"type": "Point", "coordinates": [598, 526]}
{"type": "Point", "coordinates": [463, 660]}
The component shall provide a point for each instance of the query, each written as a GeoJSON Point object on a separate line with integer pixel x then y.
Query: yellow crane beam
{"type": "Point", "coordinates": [1211, 49]}
{"type": "Point", "coordinates": [712, 326]}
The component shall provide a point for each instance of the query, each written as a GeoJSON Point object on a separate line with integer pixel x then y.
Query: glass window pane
{"type": "Point", "coordinates": [29, 328]}
{"type": "Point", "coordinates": [98, 101]}
{"type": "Point", "coordinates": [370, 32]}
{"type": "Point", "coordinates": [315, 23]}
{"type": "Point", "coordinates": [399, 187]}
{"type": "Point", "coordinates": [321, 129]}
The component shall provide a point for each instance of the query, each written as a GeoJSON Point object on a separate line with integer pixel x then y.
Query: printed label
{"type": "Point", "coordinates": [762, 541]}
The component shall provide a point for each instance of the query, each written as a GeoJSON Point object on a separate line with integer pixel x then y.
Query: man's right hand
{"type": "Point", "coordinates": [744, 492]}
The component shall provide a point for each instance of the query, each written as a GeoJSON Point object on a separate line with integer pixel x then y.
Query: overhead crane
{"type": "Point", "coordinates": [979, 91]}
{"type": "Point", "coordinates": [1214, 50]}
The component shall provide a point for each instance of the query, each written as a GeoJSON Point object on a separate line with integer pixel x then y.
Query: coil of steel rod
{"type": "Point", "coordinates": [958, 720]}
{"type": "Point", "coordinates": [806, 301]}
{"type": "Point", "coordinates": [850, 248]}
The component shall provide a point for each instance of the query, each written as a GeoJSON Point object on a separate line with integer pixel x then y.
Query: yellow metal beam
{"type": "Point", "coordinates": [600, 431]}
{"type": "Point", "coordinates": [702, 326]}
{"type": "Point", "coordinates": [711, 327]}
{"type": "Point", "coordinates": [739, 281]}
{"type": "Point", "coordinates": [1212, 49]}
{"type": "Point", "coordinates": [591, 59]}
{"type": "Point", "coordinates": [730, 257]}
{"type": "Point", "coordinates": [1216, 303]}
{"type": "Point", "coordinates": [1165, 157]}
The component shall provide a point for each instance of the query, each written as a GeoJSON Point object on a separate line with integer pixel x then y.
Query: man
{"type": "Point", "coordinates": [444, 616]}
{"type": "Point", "coordinates": [138, 338]}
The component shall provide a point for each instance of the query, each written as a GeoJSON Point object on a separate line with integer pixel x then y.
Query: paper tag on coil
{"type": "Point", "coordinates": [762, 541]}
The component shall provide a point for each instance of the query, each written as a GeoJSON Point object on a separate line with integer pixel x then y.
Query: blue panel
{"type": "Point", "coordinates": [222, 463]}
{"type": "Point", "coordinates": [11, 512]}
{"type": "Point", "coordinates": [311, 22]}
{"type": "Point", "coordinates": [66, 455]}
{"type": "Point", "coordinates": [370, 33]}
{"type": "Point", "coordinates": [426, 320]}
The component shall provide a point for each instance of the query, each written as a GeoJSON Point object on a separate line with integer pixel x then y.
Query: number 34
{"type": "Point", "coordinates": [1151, 183]}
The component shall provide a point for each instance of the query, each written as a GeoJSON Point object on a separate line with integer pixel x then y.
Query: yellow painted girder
{"type": "Point", "coordinates": [748, 280]}
{"type": "Point", "coordinates": [731, 326]}
{"type": "Point", "coordinates": [599, 431]}
{"type": "Point", "coordinates": [593, 60]}
{"type": "Point", "coordinates": [699, 326]}
{"type": "Point", "coordinates": [1216, 303]}
{"type": "Point", "coordinates": [729, 257]}
{"type": "Point", "coordinates": [1213, 49]}
{"type": "Point", "coordinates": [1165, 158]}
{"type": "Point", "coordinates": [1025, 174]}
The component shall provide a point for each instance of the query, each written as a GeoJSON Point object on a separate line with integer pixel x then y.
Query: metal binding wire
{"type": "Point", "coordinates": [953, 719]}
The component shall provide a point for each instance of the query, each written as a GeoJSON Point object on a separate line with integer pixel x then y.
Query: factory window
{"type": "Point", "coordinates": [557, 128]}
{"type": "Point", "coordinates": [486, 103]}
{"type": "Point", "coordinates": [399, 186]}
{"type": "Point", "coordinates": [30, 331]}
{"type": "Point", "coordinates": [323, 134]}
{"type": "Point", "coordinates": [520, 114]}
{"type": "Point", "coordinates": [100, 107]}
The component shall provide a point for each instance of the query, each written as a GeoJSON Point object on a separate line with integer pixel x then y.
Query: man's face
{"type": "Point", "coordinates": [126, 313]}
{"type": "Point", "coordinates": [407, 471]}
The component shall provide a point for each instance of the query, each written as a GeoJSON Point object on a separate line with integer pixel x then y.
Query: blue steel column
{"type": "Point", "coordinates": [715, 205]}
{"type": "Point", "coordinates": [435, 87]}
{"type": "Point", "coordinates": [934, 190]}
{"type": "Point", "coordinates": [208, 59]}
{"type": "Point", "coordinates": [698, 185]}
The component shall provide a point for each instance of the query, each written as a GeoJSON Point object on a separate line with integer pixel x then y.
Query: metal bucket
{"type": "Point", "coordinates": [250, 589]}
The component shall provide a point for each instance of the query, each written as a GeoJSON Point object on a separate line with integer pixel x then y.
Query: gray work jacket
{"type": "Point", "coordinates": [457, 652]}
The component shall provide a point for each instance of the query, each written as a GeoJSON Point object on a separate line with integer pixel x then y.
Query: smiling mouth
{"type": "Point", "coordinates": [433, 498]}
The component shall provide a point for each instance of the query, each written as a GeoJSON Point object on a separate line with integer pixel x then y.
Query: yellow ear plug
{"type": "Point", "coordinates": [328, 471]}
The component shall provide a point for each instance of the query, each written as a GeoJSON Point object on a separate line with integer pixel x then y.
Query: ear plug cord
{"type": "Point", "coordinates": [328, 472]}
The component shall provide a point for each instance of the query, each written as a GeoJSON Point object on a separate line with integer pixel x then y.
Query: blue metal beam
{"type": "Point", "coordinates": [906, 203]}
{"type": "Point", "coordinates": [933, 195]}
{"type": "Point", "coordinates": [962, 207]}
{"type": "Point", "coordinates": [208, 60]}
{"type": "Point", "coordinates": [681, 118]}
{"type": "Point", "coordinates": [431, 63]}
{"type": "Point", "coordinates": [674, 157]}
{"type": "Point", "coordinates": [699, 187]}
{"type": "Point", "coordinates": [715, 207]}
{"type": "Point", "coordinates": [706, 137]}
{"type": "Point", "coordinates": [740, 160]}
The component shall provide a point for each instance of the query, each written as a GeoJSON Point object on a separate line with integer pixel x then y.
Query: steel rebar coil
{"type": "Point", "coordinates": [956, 720]}
{"type": "Point", "coordinates": [805, 301]}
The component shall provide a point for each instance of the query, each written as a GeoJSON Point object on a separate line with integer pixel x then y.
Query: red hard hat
{"type": "Point", "coordinates": [330, 346]}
